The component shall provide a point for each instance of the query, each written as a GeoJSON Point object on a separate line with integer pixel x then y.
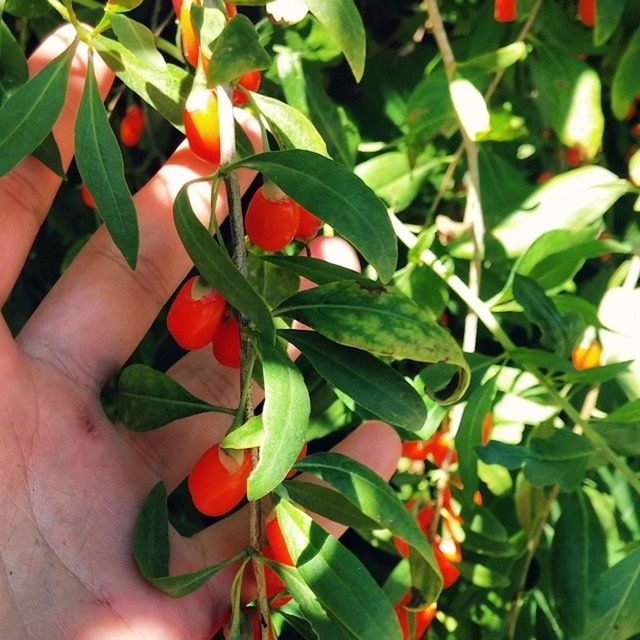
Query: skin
{"type": "Point", "coordinates": [71, 482]}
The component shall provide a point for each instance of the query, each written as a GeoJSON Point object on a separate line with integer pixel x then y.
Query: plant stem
{"type": "Point", "coordinates": [234, 202]}
{"type": "Point", "coordinates": [473, 210]}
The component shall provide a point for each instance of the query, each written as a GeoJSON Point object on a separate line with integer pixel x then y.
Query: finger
{"type": "Point", "coordinates": [26, 193]}
{"type": "Point", "coordinates": [176, 447]}
{"type": "Point", "coordinates": [119, 305]}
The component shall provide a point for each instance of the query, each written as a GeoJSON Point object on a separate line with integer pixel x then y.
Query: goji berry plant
{"type": "Point", "coordinates": [479, 160]}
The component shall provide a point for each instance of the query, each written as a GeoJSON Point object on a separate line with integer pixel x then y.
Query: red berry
{"type": "Point", "coordinates": [190, 41]}
{"type": "Point", "coordinates": [195, 314]}
{"type": "Point", "coordinates": [504, 10]}
{"type": "Point", "coordinates": [218, 480]}
{"type": "Point", "coordinates": [587, 12]}
{"type": "Point", "coordinates": [308, 225]}
{"type": "Point", "coordinates": [231, 9]}
{"type": "Point", "coordinates": [226, 343]}
{"type": "Point", "coordinates": [132, 126]}
{"type": "Point", "coordinates": [416, 449]}
{"type": "Point", "coordinates": [201, 125]}
{"type": "Point", "coordinates": [276, 541]}
{"type": "Point", "coordinates": [250, 81]}
{"type": "Point", "coordinates": [437, 448]}
{"type": "Point", "coordinates": [545, 176]}
{"type": "Point", "coordinates": [86, 197]}
{"type": "Point", "coordinates": [450, 573]}
{"type": "Point", "coordinates": [573, 157]}
{"type": "Point", "coordinates": [272, 218]}
{"type": "Point", "coordinates": [421, 618]}
{"type": "Point", "coordinates": [487, 424]}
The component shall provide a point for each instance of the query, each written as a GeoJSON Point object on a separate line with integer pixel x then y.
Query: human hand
{"type": "Point", "coordinates": [72, 482]}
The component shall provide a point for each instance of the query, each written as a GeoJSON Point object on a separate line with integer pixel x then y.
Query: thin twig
{"type": "Point", "coordinates": [488, 94]}
{"type": "Point", "coordinates": [473, 210]}
{"type": "Point", "coordinates": [227, 156]}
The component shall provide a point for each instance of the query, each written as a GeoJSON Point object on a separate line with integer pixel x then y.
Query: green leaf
{"type": "Point", "coordinates": [272, 282]}
{"type": "Point", "coordinates": [122, 6]}
{"type": "Point", "coordinates": [148, 399]}
{"type": "Point", "coordinates": [323, 623]}
{"type": "Point", "coordinates": [29, 113]}
{"type": "Point", "coordinates": [469, 434]}
{"type": "Point", "coordinates": [151, 549]}
{"type": "Point", "coordinates": [285, 418]}
{"type": "Point", "coordinates": [626, 82]}
{"type": "Point", "coordinates": [13, 65]}
{"type": "Point", "coordinates": [578, 557]}
{"type": "Point", "coordinates": [335, 195]}
{"type": "Point", "coordinates": [102, 170]}
{"type": "Point", "coordinates": [382, 321]}
{"type": "Point", "coordinates": [558, 333]}
{"type": "Point", "coordinates": [561, 459]}
{"type": "Point", "coordinates": [326, 502]}
{"type": "Point", "coordinates": [164, 89]}
{"type": "Point", "coordinates": [27, 8]}
{"type": "Point", "coordinates": [429, 108]}
{"type": "Point", "coordinates": [151, 534]}
{"type": "Point", "coordinates": [208, 23]}
{"type": "Point", "coordinates": [471, 108]}
{"type": "Point", "coordinates": [49, 154]}
{"type": "Point", "coordinates": [216, 267]}
{"type": "Point", "coordinates": [340, 582]}
{"type": "Point", "coordinates": [376, 500]}
{"type": "Point", "coordinates": [304, 90]}
{"type": "Point", "coordinates": [608, 16]}
{"type": "Point", "coordinates": [570, 98]}
{"type": "Point", "coordinates": [246, 436]}
{"type": "Point", "coordinates": [314, 269]}
{"type": "Point", "coordinates": [236, 51]}
{"type": "Point", "coordinates": [291, 128]}
{"type": "Point", "coordinates": [342, 20]}
{"type": "Point", "coordinates": [393, 179]}
{"type": "Point", "coordinates": [139, 40]}
{"type": "Point", "coordinates": [372, 384]}
{"type": "Point", "coordinates": [501, 58]}
{"type": "Point", "coordinates": [573, 200]}
{"type": "Point", "coordinates": [615, 602]}
{"type": "Point", "coordinates": [483, 577]}
{"type": "Point", "coordinates": [621, 429]}
{"type": "Point", "coordinates": [597, 375]}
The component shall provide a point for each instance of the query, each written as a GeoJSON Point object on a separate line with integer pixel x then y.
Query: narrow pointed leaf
{"type": "Point", "coordinates": [27, 116]}
{"type": "Point", "coordinates": [102, 170]}
{"type": "Point", "coordinates": [469, 434]}
{"type": "Point", "coordinates": [340, 582]}
{"type": "Point", "coordinates": [148, 399]}
{"type": "Point", "coordinates": [376, 500]}
{"type": "Point", "coordinates": [290, 128]}
{"type": "Point", "coordinates": [325, 625]}
{"type": "Point", "coordinates": [615, 602]}
{"type": "Point", "coordinates": [335, 195]}
{"type": "Point", "coordinates": [247, 435]}
{"type": "Point", "coordinates": [373, 384]}
{"type": "Point", "coordinates": [578, 557]}
{"type": "Point", "coordinates": [314, 269]}
{"type": "Point", "coordinates": [285, 418]}
{"type": "Point", "coordinates": [49, 154]}
{"type": "Point", "coordinates": [342, 20]}
{"type": "Point", "coordinates": [216, 267]}
{"type": "Point", "coordinates": [326, 502]}
{"type": "Point", "coordinates": [151, 549]}
{"type": "Point", "coordinates": [380, 320]}
{"type": "Point", "coordinates": [164, 89]}
{"type": "Point", "coordinates": [138, 39]}
{"type": "Point", "coordinates": [236, 51]}
{"type": "Point", "coordinates": [13, 65]}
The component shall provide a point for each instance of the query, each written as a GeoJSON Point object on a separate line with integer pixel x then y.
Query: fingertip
{"type": "Point", "coordinates": [335, 250]}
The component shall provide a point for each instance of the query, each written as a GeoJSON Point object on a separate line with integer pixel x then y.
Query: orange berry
{"type": "Point", "coordinates": [132, 126]}
{"type": "Point", "coordinates": [249, 81]}
{"type": "Point", "coordinates": [200, 116]}
{"type": "Point", "coordinates": [587, 357]}
{"type": "Point", "coordinates": [218, 480]}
